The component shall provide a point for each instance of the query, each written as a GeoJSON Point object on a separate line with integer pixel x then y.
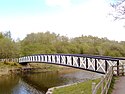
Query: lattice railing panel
{"type": "Point", "coordinates": [99, 64]}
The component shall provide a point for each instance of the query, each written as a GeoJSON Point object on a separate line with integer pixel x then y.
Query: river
{"type": "Point", "coordinates": [38, 83]}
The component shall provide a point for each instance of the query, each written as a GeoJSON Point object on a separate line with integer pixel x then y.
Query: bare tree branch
{"type": "Point", "coordinates": [119, 9]}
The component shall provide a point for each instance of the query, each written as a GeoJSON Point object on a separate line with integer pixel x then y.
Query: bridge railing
{"type": "Point", "coordinates": [104, 84]}
{"type": "Point", "coordinates": [10, 60]}
{"type": "Point", "coordinates": [118, 70]}
{"type": "Point", "coordinates": [100, 64]}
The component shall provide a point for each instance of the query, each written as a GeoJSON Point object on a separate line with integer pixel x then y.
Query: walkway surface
{"type": "Point", "coordinates": [119, 87]}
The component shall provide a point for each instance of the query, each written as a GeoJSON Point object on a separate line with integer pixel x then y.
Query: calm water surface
{"type": "Point", "coordinates": [38, 83]}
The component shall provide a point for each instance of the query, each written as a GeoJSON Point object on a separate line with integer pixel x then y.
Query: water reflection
{"type": "Point", "coordinates": [7, 83]}
{"type": "Point", "coordinates": [39, 83]}
{"type": "Point", "coordinates": [24, 88]}
{"type": "Point", "coordinates": [43, 81]}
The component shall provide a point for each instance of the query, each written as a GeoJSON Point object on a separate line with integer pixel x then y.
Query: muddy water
{"type": "Point", "coordinates": [38, 83]}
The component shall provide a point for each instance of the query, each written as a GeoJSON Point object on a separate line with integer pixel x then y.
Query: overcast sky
{"type": "Point", "coordinates": [71, 18]}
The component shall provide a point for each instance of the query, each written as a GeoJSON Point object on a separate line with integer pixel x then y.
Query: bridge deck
{"type": "Point", "coordinates": [100, 64]}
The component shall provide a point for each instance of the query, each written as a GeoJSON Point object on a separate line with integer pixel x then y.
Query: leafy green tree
{"type": "Point", "coordinates": [8, 48]}
{"type": "Point", "coordinates": [42, 43]}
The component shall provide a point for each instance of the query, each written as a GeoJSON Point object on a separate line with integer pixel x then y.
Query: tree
{"type": "Point", "coordinates": [7, 34]}
{"type": "Point", "coordinates": [8, 47]}
{"type": "Point", "coordinates": [119, 9]}
{"type": "Point", "coordinates": [46, 43]}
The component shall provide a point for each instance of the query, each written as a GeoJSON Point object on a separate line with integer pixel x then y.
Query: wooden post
{"type": "Point", "coordinates": [112, 70]}
{"type": "Point", "coordinates": [93, 88]}
{"type": "Point", "coordinates": [102, 86]}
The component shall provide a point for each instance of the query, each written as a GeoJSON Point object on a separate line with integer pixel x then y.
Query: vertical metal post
{"type": "Point", "coordinates": [60, 59]}
{"type": "Point", "coordinates": [78, 61]}
{"type": "Point", "coordinates": [51, 58]}
{"type": "Point", "coordinates": [86, 62]}
{"type": "Point", "coordinates": [95, 64]}
{"type": "Point", "coordinates": [37, 58]}
{"type": "Point", "coordinates": [118, 68]}
{"type": "Point", "coordinates": [72, 60]}
{"type": "Point", "coordinates": [66, 60]}
{"type": "Point", "coordinates": [122, 70]}
{"type": "Point", "coordinates": [106, 66]}
{"type": "Point", "coordinates": [47, 58]}
{"type": "Point", "coordinates": [55, 59]}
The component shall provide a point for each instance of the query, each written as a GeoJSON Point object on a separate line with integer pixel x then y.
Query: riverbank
{"type": "Point", "coordinates": [7, 68]}
{"type": "Point", "coordinates": [48, 74]}
{"type": "Point", "coordinates": [76, 88]}
{"type": "Point", "coordinates": [85, 87]}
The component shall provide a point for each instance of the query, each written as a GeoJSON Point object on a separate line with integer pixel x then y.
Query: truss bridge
{"type": "Point", "coordinates": [95, 63]}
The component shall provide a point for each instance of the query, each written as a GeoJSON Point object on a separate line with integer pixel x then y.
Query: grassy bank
{"type": "Point", "coordinates": [45, 67]}
{"type": "Point", "coordinates": [42, 67]}
{"type": "Point", "coordinates": [80, 88]}
{"type": "Point", "coordinates": [9, 65]}
{"type": "Point", "coordinates": [5, 67]}
{"type": "Point", "coordinates": [83, 88]}
{"type": "Point", "coordinates": [112, 84]}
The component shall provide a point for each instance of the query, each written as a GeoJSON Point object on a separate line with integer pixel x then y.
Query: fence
{"type": "Point", "coordinates": [9, 60]}
{"type": "Point", "coordinates": [118, 70]}
{"type": "Point", "coordinates": [105, 82]}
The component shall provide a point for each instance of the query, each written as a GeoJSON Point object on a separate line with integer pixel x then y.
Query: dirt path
{"type": "Point", "coordinates": [119, 87]}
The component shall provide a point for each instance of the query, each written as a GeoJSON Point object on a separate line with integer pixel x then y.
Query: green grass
{"type": "Point", "coordinates": [83, 88]}
{"type": "Point", "coordinates": [9, 65]}
{"type": "Point", "coordinates": [80, 88]}
{"type": "Point", "coordinates": [114, 78]}
{"type": "Point", "coordinates": [5, 67]}
{"type": "Point", "coordinates": [45, 67]}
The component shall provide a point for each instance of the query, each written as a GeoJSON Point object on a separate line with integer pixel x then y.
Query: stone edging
{"type": "Point", "coordinates": [50, 90]}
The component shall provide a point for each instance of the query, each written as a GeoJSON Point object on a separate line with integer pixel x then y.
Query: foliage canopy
{"type": "Point", "coordinates": [51, 43]}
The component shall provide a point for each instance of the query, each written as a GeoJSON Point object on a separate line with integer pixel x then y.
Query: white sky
{"type": "Point", "coordinates": [88, 18]}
